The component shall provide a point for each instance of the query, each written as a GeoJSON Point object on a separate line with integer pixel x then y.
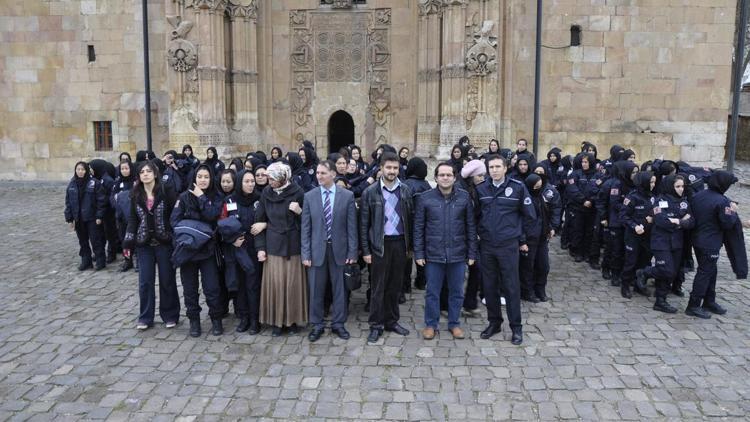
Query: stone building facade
{"type": "Point", "coordinates": [244, 75]}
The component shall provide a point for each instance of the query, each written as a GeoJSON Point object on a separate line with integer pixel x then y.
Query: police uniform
{"type": "Point", "coordinates": [637, 207]}
{"type": "Point", "coordinates": [584, 186]}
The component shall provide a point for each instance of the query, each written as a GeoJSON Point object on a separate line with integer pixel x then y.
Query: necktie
{"type": "Point", "coordinates": [327, 213]}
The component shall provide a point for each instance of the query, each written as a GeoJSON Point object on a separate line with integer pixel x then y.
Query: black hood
{"type": "Point", "coordinates": [141, 155]}
{"type": "Point", "coordinates": [311, 157]}
{"type": "Point", "coordinates": [532, 180]}
{"type": "Point", "coordinates": [187, 146]}
{"type": "Point", "coordinates": [101, 167]}
{"type": "Point", "coordinates": [566, 162]}
{"type": "Point", "coordinates": [243, 198]}
{"type": "Point", "coordinates": [295, 162]}
{"type": "Point", "coordinates": [557, 153]}
{"type": "Point", "coordinates": [667, 185]}
{"type": "Point", "coordinates": [643, 182]}
{"type": "Point", "coordinates": [721, 180]}
{"type": "Point", "coordinates": [623, 170]}
{"type": "Point", "coordinates": [614, 152]}
{"type": "Point", "coordinates": [544, 176]}
{"type": "Point", "coordinates": [416, 167]}
{"type": "Point", "coordinates": [665, 168]}
{"type": "Point", "coordinates": [212, 186]}
{"type": "Point", "coordinates": [216, 155]}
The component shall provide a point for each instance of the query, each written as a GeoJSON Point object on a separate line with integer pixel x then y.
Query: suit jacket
{"type": "Point", "coordinates": [343, 230]}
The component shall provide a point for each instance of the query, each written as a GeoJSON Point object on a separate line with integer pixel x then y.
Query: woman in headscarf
{"type": "Point", "coordinates": [283, 294]}
{"type": "Point", "coordinates": [119, 200]}
{"type": "Point", "coordinates": [357, 156]}
{"type": "Point", "coordinates": [85, 204]}
{"type": "Point", "coordinates": [457, 158]}
{"type": "Point", "coordinates": [636, 216]}
{"type": "Point", "coordinates": [261, 179]}
{"type": "Point", "coordinates": [300, 175]}
{"type": "Point", "coordinates": [213, 162]}
{"type": "Point", "coordinates": [191, 159]}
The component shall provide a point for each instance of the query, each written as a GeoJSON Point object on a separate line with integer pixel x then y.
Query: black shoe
{"type": "Point", "coordinates": [217, 328]}
{"type": "Point", "coordinates": [243, 325]}
{"type": "Point", "coordinates": [85, 265]}
{"type": "Point", "coordinates": [254, 328]}
{"type": "Point", "coordinates": [315, 334]}
{"type": "Point", "coordinates": [578, 258]}
{"type": "Point", "coordinates": [407, 287]}
{"type": "Point", "coordinates": [594, 265]}
{"type": "Point", "coordinates": [640, 280]}
{"type": "Point", "coordinates": [528, 297]}
{"type": "Point", "coordinates": [517, 337]}
{"type": "Point", "coordinates": [616, 280]}
{"type": "Point", "coordinates": [643, 292]}
{"type": "Point", "coordinates": [293, 329]}
{"type": "Point", "coordinates": [111, 257]}
{"type": "Point", "coordinates": [401, 298]}
{"type": "Point", "coordinates": [662, 305]}
{"type": "Point", "coordinates": [126, 265]}
{"type": "Point", "coordinates": [606, 274]}
{"type": "Point", "coordinates": [375, 334]}
{"type": "Point", "coordinates": [419, 285]}
{"type": "Point", "coordinates": [99, 266]}
{"type": "Point", "coordinates": [490, 331]}
{"type": "Point", "coordinates": [395, 328]}
{"type": "Point", "coordinates": [677, 291]}
{"type": "Point", "coordinates": [697, 311]}
{"type": "Point", "coordinates": [195, 328]}
{"type": "Point", "coordinates": [276, 332]}
{"type": "Point", "coordinates": [563, 246]}
{"type": "Point", "coordinates": [341, 332]}
{"type": "Point", "coordinates": [542, 295]}
{"type": "Point", "coordinates": [714, 308]}
{"type": "Point", "coordinates": [625, 291]}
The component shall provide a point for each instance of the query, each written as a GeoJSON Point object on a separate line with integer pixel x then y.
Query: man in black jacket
{"type": "Point", "coordinates": [445, 238]}
{"type": "Point", "coordinates": [384, 233]}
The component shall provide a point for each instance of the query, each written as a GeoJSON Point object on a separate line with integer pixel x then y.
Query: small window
{"type": "Point", "coordinates": [575, 36]}
{"type": "Point", "coordinates": [92, 54]}
{"type": "Point", "coordinates": [103, 136]}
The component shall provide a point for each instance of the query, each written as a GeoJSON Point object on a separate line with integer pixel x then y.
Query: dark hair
{"type": "Point", "coordinates": [389, 156]}
{"type": "Point", "coordinates": [403, 148]}
{"type": "Point", "coordinates": [344, 151]}
{"type": "Point", "coordinates": [334, 156]}
{"type": "Point", "coordinates": [138, 192]}
{"type": "Point", "coordinates": [329, 164]}
{"type": "Point", "coordinates": [125, 153]}
{"type": "Point", "coordinates": [496, 142]}
{"type": "Point", "coordinates": [524, 141]}
{"type": "Point", "coordinates": [212, 180]}
{"type": "Point", "coordinates": [493, 157]}
{"type": "Point", "coordinates": [229, 172]}
{"type": "Point", "coordinates": [445, 164]}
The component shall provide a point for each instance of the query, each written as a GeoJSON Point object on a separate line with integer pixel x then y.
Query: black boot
{"type": "Point", "coordinates": [254, 327]}
{"type": "Point", "coordinates": [594, 264]}
{"type": "Point", "coordinates": [541, 293]}
{"type": "Point", "coordinates": [127, 264]}
{"type": "Point", "coordinates": [677, 291]}
{"type": "Point", "coordinates": [625, 291]}
{"type": "Point", "coordinates": [419, 284]}
{"type": "Point", "coordinates": [243, 325]}
{"type": "Point", "coordinates": [662, 305]}
{"type": "Point", "coordinates": [517, 337]}
{"type": "Point", "coordinates": [616, 279]}
{"type": "Point", "coordinates": [111, 257]}
{"type": "Point", "coordinates": [643, 292]}
{"type": "Point", "coordinates": [640, 280]}
{"type": "Point", "coordinates": [694, 309]}
{"type": "Point", "coordinates": [217, 328]}
{"type": "Point", "coordinates": [606, 274]}
{"type": "Point", "coordinates": [85, 264]}
{"type": "Point", "coordinates": [714, 307]}
{"type": "Point", "coordinates": [195, 327]}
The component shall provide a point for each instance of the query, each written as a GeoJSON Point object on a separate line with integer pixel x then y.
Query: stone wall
{"type": "Point", "coordinates": [51, 94]}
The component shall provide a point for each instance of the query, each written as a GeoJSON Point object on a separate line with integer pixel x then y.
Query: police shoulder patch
{"type": "Point", "coordinates": [614, 192]}
{"type": "Point", "coordinates": [653, 200]}
{"type": "Point", "coordinates": [691, 178]}
{"type": "Point", "coordinates": [683, 205]}
{"type": "Point", "coordinates": [177, 204]}
{"type": "Point", "coordinates": [626, 201]}
{"type": "Point", "coordinates": [527, 201]}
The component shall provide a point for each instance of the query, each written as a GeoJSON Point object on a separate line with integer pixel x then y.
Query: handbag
{"type": "Point", "coordinates": [352, 277]}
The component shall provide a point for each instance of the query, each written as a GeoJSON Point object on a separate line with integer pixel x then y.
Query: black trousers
{"type": "Point", "coordinates": [473, 286]}
{"type": "Point", "coordinates": [534, 267]}
{"type": "Point", "coordinates": [584, 237]}
{"type": "Point", "coordinates": [667, 267]}
{"type": "Point", "coordinates": [500, 274]}
{"type": "Point", "coordinates": [704, 284]}
{"type": "Point", "coordinates": [387, 273]}
{"type": "Point", "coordinates": [209, 280]}
{"type": "Point", "coordinates": [247, 301]}
{"type": "Point", "coordinates": [637, 255]}
{"type": "Point", "coordinates": [89, 232]}
{"type": "Point", "coordinates": [418, 280]}
{"type": "Point", "coordinates": [616, 249]}
{"type": "Point", "coordinates": [111, 233]}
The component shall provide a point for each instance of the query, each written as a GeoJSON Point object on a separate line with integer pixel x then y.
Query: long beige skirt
{"type": "Point", "coordinates": [283, 292]}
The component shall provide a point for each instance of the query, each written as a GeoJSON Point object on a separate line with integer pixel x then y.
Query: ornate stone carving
{"type": "Point", "coordinates": [302, 66]}
{"type": "Point", "coordinates": [181, 53]}
{"type": "Point", "coordinates": [379, 65]}
{"type": "Point", "coordinates": [453, 71]}
{"type": "Point", "coordinates": [430, 7]}
{"type": "Point", "coordinates": [339, 4]}
{"type": "Point", "coordinates": [472, 100]}
{"type": "Point", "coordinates": [211, 5]}
{"type": "Point", "coordinates": [340, 56]}
{"type": "Point", "coordinates": [383, 16]}
{"type": "Point", "coordinates": [297, 17]}
{"type": "Point", "coordinates": [481, 59]}
{"type": "Point", "coordinates": [243, 9]}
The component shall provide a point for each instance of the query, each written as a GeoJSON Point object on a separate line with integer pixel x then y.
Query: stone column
{"type": "Point", "coordinates": [244, 73]}
{"type": "Point", "coordinates": [453, 100]}
{"type": "Point", "coordinates": [428, 77]}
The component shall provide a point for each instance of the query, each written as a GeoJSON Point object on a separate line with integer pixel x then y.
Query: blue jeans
{"type": "Point", "coordinates": [151, 258]}
{"type": "Point", "coordinates": [437, 274]}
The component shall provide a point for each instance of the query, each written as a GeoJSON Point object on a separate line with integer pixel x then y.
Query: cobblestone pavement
{"type": "Point", "coordinates": [69, 350]}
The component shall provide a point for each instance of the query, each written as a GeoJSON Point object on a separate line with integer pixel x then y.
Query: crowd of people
{"type": "Point", "coordinates": [283, 237]}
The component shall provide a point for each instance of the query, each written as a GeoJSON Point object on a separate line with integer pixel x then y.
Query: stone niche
{"type": "Point", "coordinates": [340, 60]}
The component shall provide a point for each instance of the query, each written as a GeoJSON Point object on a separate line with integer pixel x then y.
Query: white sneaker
{"type": "Point", "coordinates": [171, 324]}
{"type": "Point", "coordinates": [484, 302]}
{"type": "Point", "coordinates": [502, 300]}
{"type": "Point", "coordinates": [141, 326]}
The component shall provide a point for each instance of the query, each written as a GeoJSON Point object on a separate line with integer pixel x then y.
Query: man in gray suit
{"type": "Point", "coordinates": [329, 242]}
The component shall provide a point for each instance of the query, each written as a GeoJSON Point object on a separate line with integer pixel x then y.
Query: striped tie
{"type": "Point", "coordinates": [327, 213]}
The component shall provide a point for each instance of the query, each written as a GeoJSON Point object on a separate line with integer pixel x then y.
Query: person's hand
{"type": "Point", "coordinates": [639, 229]}
{"type": "Point", "coordinates": [295, 208]}
{"type": "Point", "coordinates": [733, 206]}
{"type": "Point", "coordinates": [524, 248]}
{"type": "Point", "coordinates": [256, 228]}
{"type": "Point", "coordinates": [307, 263]}
{"type": "Point", "coordinates": [649, 219]}
{"type": "Point", "coordinates": [72, 225]}
{"type": "Point", "coordinates": [675, 221]}
{"type": "Point", "coordinates": [98, 221]}
{"type": "Point", "coordinates": [367, 259]}
{"type": "Point", "coordinates": [471, 262]}
{"type": "Point", "coordinates": [261, 256]}
{"type": "Point", "coordinates": [126, 253]}
{"type": "Point", "coordinates": [421, 262]}
{"type": "Point", "coordinates": [604, 223]}
{"type": "Point", "coordinates": [240, 240]}
{"type": "Point", "coordinates": [551, 233]}
{"type": "Point", "coordinates": [197, 192]}
{"type": "Point", "coordinates": [587, 204]}
{"type": "Point", "coordinates": [351, 261]}
{"type": "Point", "coordinates": [746, 224]}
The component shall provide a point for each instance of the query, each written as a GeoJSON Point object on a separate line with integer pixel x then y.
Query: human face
{"type": "Point", "coordinates": [203, 179]}
{"type": "Point", "coordinates": [539, 171]}
{"type": "Point", "coordinates": [552, 158]}
{"type": "Point", "coordinates": [456, 153]}
{"type": "Point", "coordinates": [497, 170]}
{"type": "Point", "coordinates": [679, 187]}
{"type": "Point", "coordinates": [248, 183]}
{"type": "Point", "coordinates": [227, 184]}
{"type": "Point", "coordinates": [478, 179]}
{"type": "Point", "coordinates": [523, 166]}
{"type": "Point", "coordinates": [390, 171]}
{"type": "Point", "coordinates": [324, 176]}
{"type": "Point", "coordinates": [633, 174]}
{"type": "Point", "coordinates": [302, 155]}
{"type": "Point", "coordinates": [652, 183]}
{"type": "Point", "coordinates": [260, 177]}
{"type": "Point", "coordinates": [341, 165]}
{"type": "Point", "coordinates": [274, 154]}
{"type": "Point", "coordinates": [585, 163]}
{"type": "Point", "coordinates": [123, 157]}
{"type": "Point", "coordinates": [352, 168]}
{"type": "Point", "coordinates": [494, 147]}
{"type": "Point", "coordinates": [168, 159]}
{"type": "Point", "coordinates": [538, 185]}
{"type": "Point", "coordinates": [521, 145]}
{"type": "Point", "coordinates": [631, 158]}
{"type": "Point", "coordinates": [210, 154]}
{"type": "Point", "coordinates": [80, 171]}
{"type": "Point", "coordinates": [355, 154]}
{"type": "Point", "coordinates": [146, 175]}
{"type": "Point", "coordinates": [125, 170]}
{"type": "Point", "coordinates": [275, 184]}
{"type": "Point", "coordinates": [188, 152]}
{"type": "Point", "coordinates": [404, 153]}
{"type": "Point", "coordinates": [445, 178]}
{"type": "Point", "coordinates": [591, 150]}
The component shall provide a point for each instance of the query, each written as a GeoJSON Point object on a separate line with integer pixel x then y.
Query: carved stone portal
{"type": "Point", "coordinates": [181, 53]}
{"type": "Point", "coordinates": [481, 59]}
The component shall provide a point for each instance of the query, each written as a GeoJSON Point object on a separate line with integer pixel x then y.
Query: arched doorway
{"type": "Point", "coordinates": [340, 131]}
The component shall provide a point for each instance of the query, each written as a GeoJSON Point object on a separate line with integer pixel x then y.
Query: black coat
{"type": "Point", "coordinates": [145, 225]}
{"type": "Point", "coordinates": [665, 235]}
{"type": "Point", "coordinates": [89, 205]}
{"type": "Point", "coordinates": [372, 219]}
{"type": "Point", "coordinates": [206, 209]}
{"type": "Point", "coordinates": [282, 236]}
